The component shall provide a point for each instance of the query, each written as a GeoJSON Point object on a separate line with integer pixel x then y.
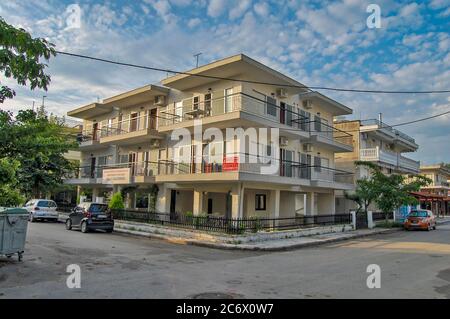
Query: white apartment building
{"type": "Point", "coordinates": [127, 144]}
{"type": "Point", "coordinates": [376, 142]}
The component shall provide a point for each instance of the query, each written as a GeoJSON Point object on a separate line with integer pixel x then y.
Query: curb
{"type": "Point", "coordinates": [244, 247]}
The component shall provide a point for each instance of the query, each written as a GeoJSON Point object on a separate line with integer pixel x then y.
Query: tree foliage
{"type": "Point", "coordinates": [37, 142]}
{"type": "Point", "coordinates": [389, 192]}
{"type": "Point", "coordinates": [116, 201]}
{"type": "Point", "coordinates": [21, 59]}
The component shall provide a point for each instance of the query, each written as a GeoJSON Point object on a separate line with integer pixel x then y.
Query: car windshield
{"type": "Point", "coordinates": [418, 214]}
{"type": "Point", "coordinates": [46, 203]}
{"type": "Point", "coordinates": [98, 208]}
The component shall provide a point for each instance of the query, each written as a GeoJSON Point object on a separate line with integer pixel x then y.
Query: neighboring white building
{"type": "Point", "coordinates": [126, 144]}
{"type": "Point", "coordinates": [376, 142]}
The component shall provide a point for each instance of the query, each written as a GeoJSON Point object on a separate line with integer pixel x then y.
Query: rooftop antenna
{"type": "Point", "coordinates": [197, 56]}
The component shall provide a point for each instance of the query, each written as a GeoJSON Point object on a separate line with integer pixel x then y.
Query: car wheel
{"type": "Point", "coordinates": [84, 227]}
{"type": "Point", "coordinates": [68, 224]}
{"type": "Point", "coordinates": [109, 230]}
{"type": "Point", "coordinates": [434, 227]}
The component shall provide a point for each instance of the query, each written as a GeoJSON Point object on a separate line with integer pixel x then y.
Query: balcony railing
{"type": "Point", "coordinates": [136, 169]}
{"type": "Point", "coordinates": [246, 163]}
{"type": "Point", "coordinates": [88, 134]}
{"type": "Point", "coordinates": [389, 128]}
{"type": "Point", "coordinates": [130, 125]}
{"type": "Point", "coordinates": [378, 155]}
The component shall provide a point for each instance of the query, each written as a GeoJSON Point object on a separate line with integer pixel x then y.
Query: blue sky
{"type": "Point", "coordinates": [320, 43]}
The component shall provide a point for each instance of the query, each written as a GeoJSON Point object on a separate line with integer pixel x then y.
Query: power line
{"type": "Point", "coordinates": [248, 81]}
{"type": "Point", "coordinates": [385, 125]}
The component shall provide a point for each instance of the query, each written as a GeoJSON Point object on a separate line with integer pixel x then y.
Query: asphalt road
{"type": "Point", "coordinates": [413, 265]}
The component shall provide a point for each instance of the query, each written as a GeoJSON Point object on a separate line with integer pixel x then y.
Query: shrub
{"type": "Point", "coordinates": [116, 201]}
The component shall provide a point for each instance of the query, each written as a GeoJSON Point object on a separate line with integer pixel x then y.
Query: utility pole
{"type": "Point", "coordinates": [197, 56]}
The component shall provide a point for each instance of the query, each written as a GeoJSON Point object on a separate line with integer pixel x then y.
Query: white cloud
{"type": "Point", "coordinates": [194, 22]}
{"type": "Point", "coordinates": [216, 8]}
{"type": "Point", "coordinates": [239, 8]}
{"type": "Point", "coordinates": [262, 9]}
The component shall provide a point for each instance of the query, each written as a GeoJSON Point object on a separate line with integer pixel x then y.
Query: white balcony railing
{"type": "Point", "coordinates": [378, 155]}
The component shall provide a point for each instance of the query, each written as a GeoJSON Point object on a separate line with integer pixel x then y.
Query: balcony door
{"type": "Point", "coordinates": [132, 161]}
{"type": "Point", "coordinates": [93, 163]}
{"type": "Point", "coordinates": [228, 100]}
{"type": "Point", "coordinates": [282, 113]}
{"type": "Point", "coordinates": [152, 119]}
{"type": "Point", "coordinates": [134, 121]}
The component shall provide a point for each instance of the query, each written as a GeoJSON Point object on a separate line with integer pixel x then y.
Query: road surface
{"type": "Point", "coordinates": [413, 265]}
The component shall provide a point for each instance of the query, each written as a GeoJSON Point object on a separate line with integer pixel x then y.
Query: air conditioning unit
{"type": "Point", "coordinates": [307, 104]}
{"type": "Point", "coordinates": [284, 141]}
{"type": "Point", "coordinates": [281, 93]}
{"type": "Point", "coordinates": [160, 100]}
{"type": "Point", "coordinates": [308, 148]}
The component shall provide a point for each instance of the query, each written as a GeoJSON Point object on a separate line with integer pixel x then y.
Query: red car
{"type": "Point", "coordinates": [420, 219]}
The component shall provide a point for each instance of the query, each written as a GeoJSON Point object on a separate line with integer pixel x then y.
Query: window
{"type": "Point", "coordinates": [260, 202]}
{"type": "Point", "coordinates": [228, 100]}
{"type": "Point", "coordinates": [196, 103]}
{"type": "Point", "coordinates": [208, 103]}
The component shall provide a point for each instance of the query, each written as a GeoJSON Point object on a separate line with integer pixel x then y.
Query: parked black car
{"type": "Point", "coordinates": [91, 216]}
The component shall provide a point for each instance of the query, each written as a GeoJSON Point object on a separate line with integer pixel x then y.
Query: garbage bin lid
{"type": "Point", "coordinates": [12, 210]}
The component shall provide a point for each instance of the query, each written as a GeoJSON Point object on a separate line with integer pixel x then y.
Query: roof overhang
{"type": "Point", "coordinates": [238, 67]}
{"type": "Point", "coordinates": [332, 106]}
{"type": "Point", "coordinates": [130, 98]}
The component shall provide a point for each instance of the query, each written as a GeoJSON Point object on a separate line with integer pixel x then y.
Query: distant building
{"type": "Point", "coordinates": [436, 196]}
{"type": "Point", "coordinates": [376, 142]}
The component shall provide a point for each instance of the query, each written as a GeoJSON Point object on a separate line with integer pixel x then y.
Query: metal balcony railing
{"type": "Point", "coordinates": [376, 154]}
{"type": "Point", "coordinates": [247, 163]}
{"type": "Point", "coordinates": [133, 124]}
{"type": "Point", "coordinates": [136, 169]}
{"type": "Point", "coordinates": [389, 128]}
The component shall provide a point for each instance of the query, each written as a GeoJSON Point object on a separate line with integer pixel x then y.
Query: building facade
{"type": "Point", "coordinates": [279, 161]}
{"type": "Point", "coordinates": [435, 196]}
{"type": "Point", "coordinates": [376, 142]}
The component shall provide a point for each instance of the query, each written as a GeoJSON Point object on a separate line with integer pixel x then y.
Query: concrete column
{"type": "Point", "coordinates": [163, 199]}
{"type": "Point", "coordinates": [326, 204]}
{"type": "Point", "coordinates": [237, 195]}
{"type": "Point", "coordinates": [353, 213]}
{"type": "Point", "coordinates": [370, 222]}
{"type": "Point", "coordinates": [94, 194]}
{"type": "Point", "coordinates": [275, 203]}
{"type": "Point", "coordinates": [198, 203]}
{"type": "Point", "coordinates": [311, 208]}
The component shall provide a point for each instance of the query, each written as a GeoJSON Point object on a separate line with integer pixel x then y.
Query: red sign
{"type": "Point", "coordinates": [230, 163]}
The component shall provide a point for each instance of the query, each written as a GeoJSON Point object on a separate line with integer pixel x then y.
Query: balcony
{"type": "Point", "coordinates": [89, 139]}
{"type": "Point", "coordinates": [387, 132]}
{"type": "Point", "coordinates": [394, 160]}
{"type": "Point", "coordinates": [245, 167]}
{"type": "Point", "coordinates": [121, 174]}
{"type": "Point", "coordinates": [241, 109]}
{"type": "Point", "coordinates": [131, 131]}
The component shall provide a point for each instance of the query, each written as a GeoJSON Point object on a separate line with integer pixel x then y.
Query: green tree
{"type": "Point", "coordinates": [392, 191]}
{"type": "Point", "coordinates": [9, 195]}
{"type": "Point", "coordinates": [364, 194]}
{"type": "Point", "coordinates": [116, 201]}
{"type": "Point", "coordinates": [38, 142]}
{"type": "Point", "coordinates": [21, 59]}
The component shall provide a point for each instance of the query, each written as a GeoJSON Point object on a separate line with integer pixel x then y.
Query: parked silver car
{"type": "Point", "coordinates": [41, 209]}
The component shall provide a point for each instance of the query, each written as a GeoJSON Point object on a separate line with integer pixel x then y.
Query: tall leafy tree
{"type": "Point", "coordinates": [389, 192]}
{"type": "Point", "coordinates": [21, 58]}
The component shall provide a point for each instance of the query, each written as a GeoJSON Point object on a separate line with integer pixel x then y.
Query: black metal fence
{"type": "Point", "coordinates": [381, 216]}
{"type": "Point", "coordinates": [230, 225]}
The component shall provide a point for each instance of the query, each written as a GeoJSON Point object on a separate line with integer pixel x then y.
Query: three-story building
{"type": "Point", "coordinates": [278, 161]}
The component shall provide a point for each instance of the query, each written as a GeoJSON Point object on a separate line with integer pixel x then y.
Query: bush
{"type": "Point", "coordinates": [116, 201]}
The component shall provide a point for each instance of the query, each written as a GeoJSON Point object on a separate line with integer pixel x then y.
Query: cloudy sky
{"type": "Point", "coordinates": [319, 43]}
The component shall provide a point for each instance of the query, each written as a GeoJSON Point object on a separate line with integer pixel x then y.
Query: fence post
{"type": "Point", "coordinates": [353, 213]}
{"type": "Point", "coordinates": [370, 223]}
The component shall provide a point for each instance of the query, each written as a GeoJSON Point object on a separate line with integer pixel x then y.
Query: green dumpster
{"type": "Point", "coordinates": [13, 231]}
